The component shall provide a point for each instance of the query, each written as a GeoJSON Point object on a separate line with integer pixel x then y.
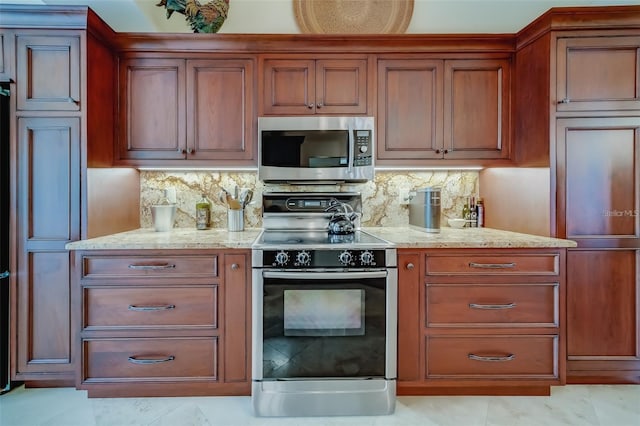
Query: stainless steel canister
{"type": "Point", "coordinates": [424, 209]}
{"type": "Point", "coordinates": [235, 219]}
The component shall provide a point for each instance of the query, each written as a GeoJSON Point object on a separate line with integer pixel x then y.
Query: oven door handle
{"type": "Point", "coordinates": [308, 275]}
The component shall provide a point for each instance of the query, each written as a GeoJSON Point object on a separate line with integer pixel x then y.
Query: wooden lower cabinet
{"type": "Point", "coordinates": [163, 322]}
{"type": "Point", "coordinates": [480, 321]}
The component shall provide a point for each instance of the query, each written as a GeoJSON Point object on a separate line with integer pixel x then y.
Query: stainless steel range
{"type": "Point", "coordinates": [324, 310]}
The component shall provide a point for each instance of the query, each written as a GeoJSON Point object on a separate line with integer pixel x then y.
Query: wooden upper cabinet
{"type": "Point", "coordinates": [598, 170]}
{"type": "Point", "coordinates": [598, 73]}
{"type": "Point", "coordinates": [430, 109]}
{"type": "Point", "coordinates": [220, 109]}
{"type": "Point", "coordinates": [48, 72]}
{"type": "Point", "coordinates": [410, 109]}
{"type": "Point", "coordinates": [177, 109]}
{"type": "Point", "coordinates": [152, 109]}
{"type": "Point", "coordinates": [308, 86]}
{"type": "Point", "coordinates": [6, 55]}
{"type": "Point", "coordinates": [477, 106]}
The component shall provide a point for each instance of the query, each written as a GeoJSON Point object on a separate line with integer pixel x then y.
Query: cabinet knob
{"type": "Point", "coordinates": [235, 266]}
{"type": "Point", "coordinates": [73, 101]}
{"type": "Point", "coordinates": [446, 151]}
{"type": "Point", "coordinates": [190, 150]}
{"type": "Point", "coordinates": [320, 105]}
{"type": "Point", "coordinates": [438, 151]}
{"type": "Point", "coordinates": [182, 150]}
{"type": "Point", "coordinates": [565, 101]}
{"type": "Point", "coordinates": [410, 266]}
{"type": "Point", "coordinates": [310, 106]}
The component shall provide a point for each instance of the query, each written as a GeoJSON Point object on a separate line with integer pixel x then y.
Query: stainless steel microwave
{"type": "Point", "coordinates": [316, 149]}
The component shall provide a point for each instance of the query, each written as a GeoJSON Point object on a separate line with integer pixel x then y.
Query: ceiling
{"type": "Point", "coordinates": [276, 16]}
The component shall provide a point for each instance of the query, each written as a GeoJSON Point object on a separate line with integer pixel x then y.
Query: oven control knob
{"type": "Point", "coordinates": [345, 257]}
{"type": "Point", "coordinates": [282, 258]}
{"type": "Point", "coordinates": [303, 258]}
{"type": "Point", "coordinates": [366, 257]}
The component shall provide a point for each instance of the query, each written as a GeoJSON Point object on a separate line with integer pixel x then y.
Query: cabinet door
{"type": "Point", "coordinates": [48, 72]}
{"type": "Point", "coordinates": [220, 110]}
{"type": "Point", "coordinates": [410, 109]}
{"type": "Point", "coordinates": [410, 324]}
{"type": "Point", "coordinates": [237, 317]}
{"type": "Point", "coordinates": [152, 109]}
{"type": "Point", "coordinates": [603, 290]}
{"type": "Point", "coordinates": [341, 86]}
{"type": "Point", "coordinates": [476, 105]}
{"type": "Point", "coordinates": [598, 73]}
{"type": "Point", "coordinates": [598, 170]}
{"type": "Point", "coordinates": [6, 55]}
{"type": "Point", "coordinates": [48, 217]}
{"type": "Point", "coordinates": [288, 87]}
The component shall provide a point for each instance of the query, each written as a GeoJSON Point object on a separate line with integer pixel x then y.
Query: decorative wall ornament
{"type": "Point", "coordinates": [353, 16]}
{"type": "Point", "coordinates": [203, 18]}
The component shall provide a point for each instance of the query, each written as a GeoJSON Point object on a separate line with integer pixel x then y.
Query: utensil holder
{"type": "Point", "coordinates": [163, 217]}
{"type": "Point", "coordinates": [235, 220]}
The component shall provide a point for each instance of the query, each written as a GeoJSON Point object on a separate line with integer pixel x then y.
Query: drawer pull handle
{"type": "Point", "coordinates": [152, 267]}
{"type": "Point", "coordinates": [496, 358]}
{"type": "Point", "coordinates": [138, 308]}
{"type": "Point", "coordinates": [136, 360]}
{"type": "Point", "coordinates": [492, 265]}
{"type": "Point", "coordinates": [489, 306]}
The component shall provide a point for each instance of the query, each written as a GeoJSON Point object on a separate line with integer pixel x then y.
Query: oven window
{"type": "Point", "coordinates": [324, 328]}
{"type": "Point", "coordinates": [324, 312]}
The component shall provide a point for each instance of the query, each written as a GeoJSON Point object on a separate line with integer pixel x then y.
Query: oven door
{"type": "Point", "coordinates": [324, 325]}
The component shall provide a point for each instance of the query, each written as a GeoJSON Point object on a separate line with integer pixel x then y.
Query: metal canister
{"type": "Point", "coordinates": [424, 209]}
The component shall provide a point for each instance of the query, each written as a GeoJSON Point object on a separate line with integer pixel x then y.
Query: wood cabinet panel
{"type": "Point", "coordinates": [491, 356]}
{"type": "Point", "coordinates": [220, 109]}
{"type": "Point", "coordinates": [598, 169]}
{"type": "Point", "coordinates": [602, 305]}
{"type": "Point", "coordinates": [49, 70]}
{"type": "Point", "coordinates": [44, 332]}
{"type": "Point", "coordinates": [184, 306]}
{"type": "Point", "coordinates": [152, 109]}
{"type": "Point", "coordinates": [146, 359]}
{"type": "Point", "coordinates": [477, 108]}
{"type": "Point", "coordinates": [48, 216]}
{"type": "Point", "coordinates": [505, 305]}
{"type": "Point", "coordinates": [434, 109]}
{"type": "Point", "coordinates": [598, 73]}
{"type": "Point", "coordinates": [237, 317]}
{"type": "Point", "coordinates": [6, 55]}
{"type": "Point", "coordinates": [341, 86]}
{"type": "Point", "coordinates": [410, 325]}
{"type": "Point", "coordinates": [150, 266]}
{"type": "Point", "coordinates": [302, 86]}
{"type": "Point", "coordinates": [410, 109]}
{"type": "Point", "coordinates": [487, 264]}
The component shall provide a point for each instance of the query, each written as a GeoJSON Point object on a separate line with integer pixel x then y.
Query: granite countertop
{"type": "Point", "coordinates": [402, 237]}
{"type": "Point", "coordinates": [178, 238]}
{"type": "Point", "coordinates": [406, 237]}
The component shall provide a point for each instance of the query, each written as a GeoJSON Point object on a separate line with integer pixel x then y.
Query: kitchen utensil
{"type": "Point", "coordinates": [233, 203]}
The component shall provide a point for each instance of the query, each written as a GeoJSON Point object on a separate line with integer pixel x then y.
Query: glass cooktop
{"type": "Point", "coordinates": [317, 239]}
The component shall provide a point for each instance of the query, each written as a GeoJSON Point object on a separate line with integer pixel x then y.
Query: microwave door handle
{"type": "Point", "coordinates": [307, 275]}
{"type": "Point", "coordinates": [350, 154]}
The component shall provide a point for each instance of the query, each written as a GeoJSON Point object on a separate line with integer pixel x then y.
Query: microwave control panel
{"type": "Point", "coordinates": [363, 148]}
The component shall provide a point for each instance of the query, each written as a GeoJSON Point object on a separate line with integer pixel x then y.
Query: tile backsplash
{"type": "Point", "coordinates": [380, 198]}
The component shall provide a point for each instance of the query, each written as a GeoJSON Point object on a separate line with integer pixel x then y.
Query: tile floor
{"type": "Point", "coordinates": [567, 405]}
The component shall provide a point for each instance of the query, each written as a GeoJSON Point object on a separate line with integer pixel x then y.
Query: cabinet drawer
{"type": "Point", "coordinates": [498, 356]}
{"type": "Point", "coordinates": [107, 307]}
{"type": "Point", "coordinates": [150, 358]}
{"type": "Point", "coordinates": [150, 266]}
{"type": "Point", "coordinates": [507, 305]}
{"type": "Point", "coordinates": [480, 264]}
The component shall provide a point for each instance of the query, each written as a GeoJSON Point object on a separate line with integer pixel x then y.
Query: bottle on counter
{"type": "Point", "coordinates": [480, 209]}
{"type": "Point", "coordinates": [203, 213]}
{"type": "Point", "coordinates": [465, 212]}
{"type": "Point", "coordinates": [473, 212]}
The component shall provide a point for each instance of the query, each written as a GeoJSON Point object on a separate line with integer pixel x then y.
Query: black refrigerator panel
{"type": "Point", "coordinates": [5, 383]}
